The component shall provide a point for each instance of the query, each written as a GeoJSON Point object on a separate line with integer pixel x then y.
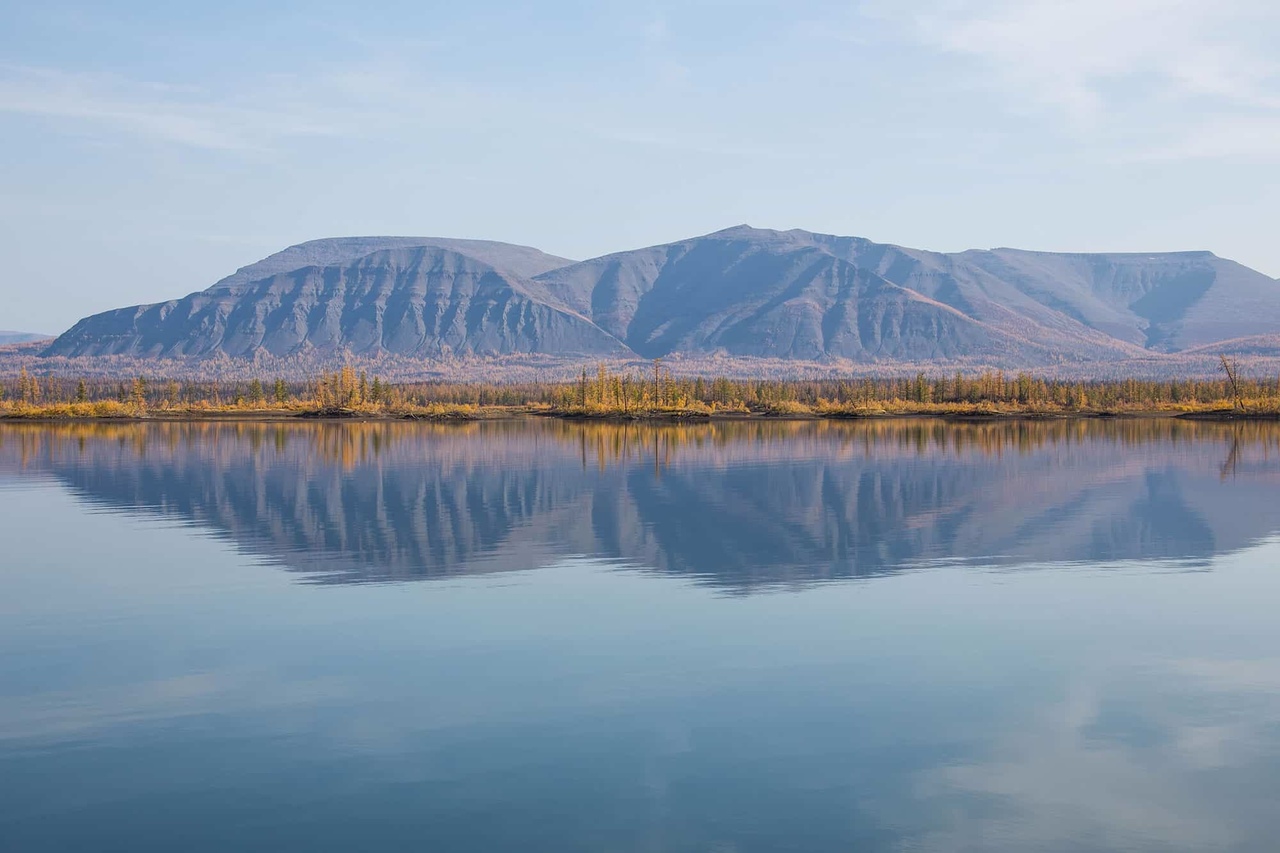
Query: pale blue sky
{"type": "Point", "coordinates": [150, 148]}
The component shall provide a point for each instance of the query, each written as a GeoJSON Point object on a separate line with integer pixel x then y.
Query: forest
{"type": "Point", "coordinates": [652, 393]}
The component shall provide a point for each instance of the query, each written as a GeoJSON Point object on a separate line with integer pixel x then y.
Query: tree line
{"type": "Point", "coordinates": [656, 389]}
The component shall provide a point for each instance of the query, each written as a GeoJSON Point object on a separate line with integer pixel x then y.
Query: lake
{"type": "Point", "coordinates": [729, 637]}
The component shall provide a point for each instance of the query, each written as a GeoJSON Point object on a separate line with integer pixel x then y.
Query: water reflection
{"type": "Point", "coordinates": [737, 504]}
{"type": "Point", "coordinates": [161, 692]}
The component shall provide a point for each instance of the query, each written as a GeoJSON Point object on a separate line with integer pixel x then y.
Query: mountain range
{"type": "Point", "coordinates": [9, 337]}
{"type": "Point", "coordinates": [740, 292]}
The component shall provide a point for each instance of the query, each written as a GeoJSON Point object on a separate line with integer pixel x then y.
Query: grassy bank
{"type": "Point", "coordinates": [657, 396]}
{"type": "Point", "coordinates": [109, 410]}
{"type": "Point", "coordinates": [901, 409]}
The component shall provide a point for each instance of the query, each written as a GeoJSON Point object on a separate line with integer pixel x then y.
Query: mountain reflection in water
{"type": "Point", "coordinates": [734, 504]}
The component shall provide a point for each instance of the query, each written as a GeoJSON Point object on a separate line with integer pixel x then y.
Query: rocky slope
{"type": "Point", "coordinates": [738, 292]}
{"type": "Point", "coordinates": [408, 301]}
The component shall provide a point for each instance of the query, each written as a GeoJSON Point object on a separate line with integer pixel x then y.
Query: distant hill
{"type": "Point", "coordinates": [20, 337]}
{"type": "Point", "coordinates": [739, 292]}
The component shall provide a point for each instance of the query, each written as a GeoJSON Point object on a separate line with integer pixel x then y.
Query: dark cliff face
{"type": "Point", "coordinates": [739, 292]}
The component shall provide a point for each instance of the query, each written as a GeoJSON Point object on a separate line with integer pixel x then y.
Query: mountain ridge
{"type": "Point", "coordinates": [8, 336]}
{"type": "Point", "coordinates": [523, 261]}
{"type": "Point", "coordinates": [737, 292]}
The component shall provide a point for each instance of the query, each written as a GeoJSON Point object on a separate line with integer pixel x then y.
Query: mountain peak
{"type": "Point", "coordinates": [749, 231]}
{"type": "Point", "coordinates": [509, 258]}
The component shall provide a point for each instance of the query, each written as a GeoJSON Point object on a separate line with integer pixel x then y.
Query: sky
{"type": "Point", "coordinates": [150, 149]}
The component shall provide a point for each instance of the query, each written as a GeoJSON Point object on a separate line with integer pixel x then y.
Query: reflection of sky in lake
{"type": "Point", "coordinates": [166, 686]}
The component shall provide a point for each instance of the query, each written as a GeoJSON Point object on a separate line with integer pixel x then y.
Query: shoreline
{"type": "Point", "coordinates": [660, 417]}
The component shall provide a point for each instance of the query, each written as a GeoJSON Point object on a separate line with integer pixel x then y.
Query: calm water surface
{"type": "Point", "coordinates": [554, 637]}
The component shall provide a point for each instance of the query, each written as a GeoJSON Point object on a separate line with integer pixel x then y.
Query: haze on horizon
{"type": "Point", "coordinates": [152, 150]}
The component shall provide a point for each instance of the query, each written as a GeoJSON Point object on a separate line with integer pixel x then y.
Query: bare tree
{"type": "Point", "coordinates": [1233, 381]}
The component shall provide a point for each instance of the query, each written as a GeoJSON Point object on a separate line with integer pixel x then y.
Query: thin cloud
{"type": "Point", "coordinates": [1118, 69]}
{"type": "Point", "coordinates": [153, 111]}
{"type": "Point", "coordinates": [378, 99]}
{"type": "Point", "coordinates": [1075, 54]}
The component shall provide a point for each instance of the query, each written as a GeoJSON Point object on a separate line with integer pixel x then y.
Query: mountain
{"type": "Point", "coordinates": [7, 337]}
{"type": "Point", "coordinates": [422, 301]}
{"type": "Point", "coordinates": [795, 294]}
{"type": "Point", "coordinates": [738, 292]}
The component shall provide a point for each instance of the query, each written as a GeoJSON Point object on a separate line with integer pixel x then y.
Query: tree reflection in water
{"type": "Point", "coordinates": [738, 504]}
